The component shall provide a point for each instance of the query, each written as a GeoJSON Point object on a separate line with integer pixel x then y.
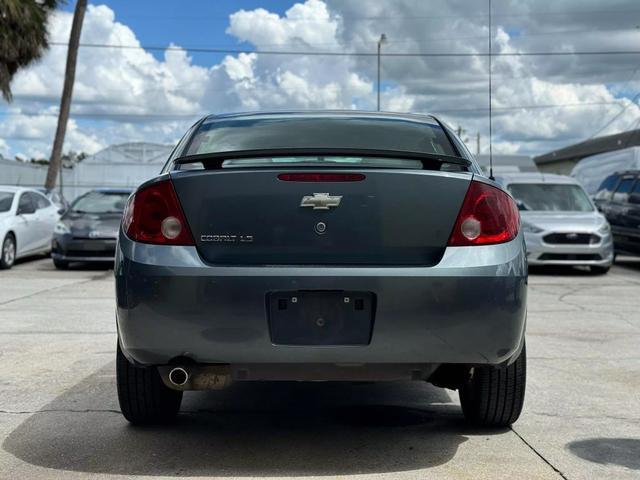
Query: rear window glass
{"type": "Point", "coordinates": [324, 160]}
{"type": "Point", "coordinates": [278, 132]}
{"type": "Point", "coordinates": [6, 199]}
{"type": "Point", "coordinates": [544, 197]}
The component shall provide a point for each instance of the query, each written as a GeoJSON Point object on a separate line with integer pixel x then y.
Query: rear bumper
{"type": "Point", "coordinates": [470, 308]}
{"type": "Point", "coordinates": [542, 253]}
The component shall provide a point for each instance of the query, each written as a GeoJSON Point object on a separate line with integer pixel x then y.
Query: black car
{"type": "Point", "coordinates": [88, 230]}
{"type": "Point", "coordinates": [619, 199]}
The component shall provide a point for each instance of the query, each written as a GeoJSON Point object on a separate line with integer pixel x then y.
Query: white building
{"type": "Point", "coordinates": [117, 166]}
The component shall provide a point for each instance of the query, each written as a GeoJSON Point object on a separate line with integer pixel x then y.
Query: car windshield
{"type": "Point", "coordinates": [6, 198]}
{"type": "Point", "coordinates": [101, 202]}
{"type": "Point", "coordinates": [544, 197]}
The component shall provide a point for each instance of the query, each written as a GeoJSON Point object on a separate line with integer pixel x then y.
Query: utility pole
{"type": "Point", "coordinates": [55, 162]}
{"type": "Point", "coordinates": [383, 39]}
{"type": "Point", "coordinates": [478, 144]}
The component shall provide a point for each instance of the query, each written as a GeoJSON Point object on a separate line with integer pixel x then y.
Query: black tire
{"type": "Point", "coordinates": [493, 396]}
{"type": "Point", "coordinates": [144, 398]}
{"type": "Point", "coordinates": [60, 264]}
{"type": "Point", "coordinates": [8, 252]}
{"type": "Point", "coordinates": [597, 270]}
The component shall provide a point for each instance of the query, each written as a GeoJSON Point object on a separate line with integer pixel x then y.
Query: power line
{"type": "Point", "coordinates": [350, 54]}
{"type": "Point", "coordinates": [604, 127]}
{"type": "Point", "coordinates": [187, 116]}
{"type": "Point", "coordinates": [436, 17]}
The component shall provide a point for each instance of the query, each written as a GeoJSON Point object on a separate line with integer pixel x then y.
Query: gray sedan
{"type": "Point", "coordinates": [321, 246]}
{"type": "Point", "coordinates": [88, 230]}
{"type": "Point", "coordinates": [561, 225]}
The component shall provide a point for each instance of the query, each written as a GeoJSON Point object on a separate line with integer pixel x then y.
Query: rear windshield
{"type": "Point", "coordinates": [324, 160]}
{"type": "Point", "coordinates": [6, 198]}
{"type": "Point", "coordinates": [544, 197]}
{"type": "Point", "coordinates": [282, 132]}
{"type": "Point", "coordinates": [100, 202]}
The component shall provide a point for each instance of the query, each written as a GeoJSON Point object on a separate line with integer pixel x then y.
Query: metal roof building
{"type": "Point", "coordinates": [563, 160]}
{"type": "Point", "coordinates": [118, 166]}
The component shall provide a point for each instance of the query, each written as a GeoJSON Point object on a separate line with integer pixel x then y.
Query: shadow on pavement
{"type": "Point", "coordinates": [632, 263]}
{"type": "Point", "coordinates": [250, 429]}
{"type": "Point", "coordinates": [609, 451]}
{"type": "Point", "coordinates": [560, 270]}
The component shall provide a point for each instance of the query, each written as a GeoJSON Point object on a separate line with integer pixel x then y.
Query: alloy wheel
{"type": "Point", "coordinates": [9, 251]}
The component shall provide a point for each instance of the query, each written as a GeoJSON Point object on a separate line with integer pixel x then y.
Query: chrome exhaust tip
{"type": "Point", "coordinates": [178, 376]}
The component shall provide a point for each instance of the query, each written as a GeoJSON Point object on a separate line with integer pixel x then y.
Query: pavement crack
{"type": "Point", "coordinates": [533, 449]}
{"type": "Point", "coordinates": [47, 290]}
{"type": "Point", "coordinates": [58, 410]}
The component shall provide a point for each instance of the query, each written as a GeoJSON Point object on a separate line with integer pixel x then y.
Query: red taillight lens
{"type": "Point", "coordinates": [488, 215]}
{"type": "Point", "coordinates": [153, 215]}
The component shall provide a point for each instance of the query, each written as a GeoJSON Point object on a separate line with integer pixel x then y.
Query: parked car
{"type": "Point", "coordinates": [56, 198]}
{"type": "Point", "coordinates": [321, 246]}
{"type": "Point", "coordinates": [619, 199]}
{"type": "Point", "coordinates": [88, 230]}
{"type": "Point", "coordinates": [560, 223]}
{"type": "Point", "coordinates": [27, 220]}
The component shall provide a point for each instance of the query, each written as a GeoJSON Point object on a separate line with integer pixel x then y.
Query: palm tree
{"type": "Point", "coordinates": [67, 90]}
{"type": "Point", "coordinates": [23, 36]}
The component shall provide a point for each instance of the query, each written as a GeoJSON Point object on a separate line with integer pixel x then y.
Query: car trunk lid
{"type": "Point", "coordinates": [250, 216]}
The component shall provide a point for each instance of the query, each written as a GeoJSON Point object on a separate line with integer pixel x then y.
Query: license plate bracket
{"type": "Point", "coordinates": [311, 317]}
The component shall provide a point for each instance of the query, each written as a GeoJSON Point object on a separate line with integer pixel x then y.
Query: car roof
{"type": "Point", "coordinates": [416, 117]}
{"type": "Point", "coordinates": [16, 189]}
{"type": "Point", "coordinates": [509, 178]}
{"type": "Point", "coordinates": [112, 190]}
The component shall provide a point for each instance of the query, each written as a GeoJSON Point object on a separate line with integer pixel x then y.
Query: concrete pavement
{"type": "Point", "coordinates": [59, 416]}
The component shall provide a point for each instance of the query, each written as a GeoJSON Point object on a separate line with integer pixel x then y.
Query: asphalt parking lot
{"type": "Point", "coordinates": [59, 416]}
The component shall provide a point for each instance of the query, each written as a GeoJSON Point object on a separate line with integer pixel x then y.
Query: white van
{"type": "Point", "coordinates": [591, 171]}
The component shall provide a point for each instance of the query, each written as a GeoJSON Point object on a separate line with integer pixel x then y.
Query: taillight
{"type": "Point", "coordinates": [488, 216]}
{"type": "Point", "coordinates": [153, 215]}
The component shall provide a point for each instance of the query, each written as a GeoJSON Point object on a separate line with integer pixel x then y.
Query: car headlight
{"type": "Point", "coordinates": [530, 228]}
{"type": "Point", "coordinates": [604, 229]}
{"type": "Point", "coordinates": [61, 228]}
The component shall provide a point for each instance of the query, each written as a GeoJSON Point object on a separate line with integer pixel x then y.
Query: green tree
{"type": "Point", "coordinates": [23, 36]}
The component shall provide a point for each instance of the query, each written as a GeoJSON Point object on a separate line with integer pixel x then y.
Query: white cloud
{"type": "Point", "coordinates": [156, 99]}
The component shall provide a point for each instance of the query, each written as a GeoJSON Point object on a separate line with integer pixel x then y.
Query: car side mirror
{"type": "Point", "coordinates": [62, 211]}
{"type": "Point", "coordinates": [26, 210]}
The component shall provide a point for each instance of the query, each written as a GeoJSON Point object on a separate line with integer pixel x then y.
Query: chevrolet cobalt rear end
{"type": "Point", "coordinates": [321, 246]}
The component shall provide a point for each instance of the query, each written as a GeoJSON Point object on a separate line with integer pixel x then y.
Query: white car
{"type": "Point", "coordinates": [27, 220]}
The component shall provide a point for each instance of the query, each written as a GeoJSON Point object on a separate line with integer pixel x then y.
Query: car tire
{"type": "Point", "coordinates": [144, 398]}
{"type": "Point", "coordinates": [60, 264]}
{"type": "Point", "coordinates": [493, 396]}
{"type": "Point", "coordinates": [597, 270]}
{"type": "Point", "coordinates": [8, 252]}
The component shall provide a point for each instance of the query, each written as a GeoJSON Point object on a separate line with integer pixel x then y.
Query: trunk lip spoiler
{"type": "Point", "coordinates": [427, 159]}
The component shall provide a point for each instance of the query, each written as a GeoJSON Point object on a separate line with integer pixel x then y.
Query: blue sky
{"type": "Point", "coordinates": [188, 23]}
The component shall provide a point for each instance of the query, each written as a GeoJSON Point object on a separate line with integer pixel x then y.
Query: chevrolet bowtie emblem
{"type": "Point", "coordinates": [321, 201]}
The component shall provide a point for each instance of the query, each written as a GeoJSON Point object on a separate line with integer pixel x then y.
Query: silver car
{"type": "Point", "coordinates": [561, 225]}
{"type": "Point", "coordinates": [321, 246]}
